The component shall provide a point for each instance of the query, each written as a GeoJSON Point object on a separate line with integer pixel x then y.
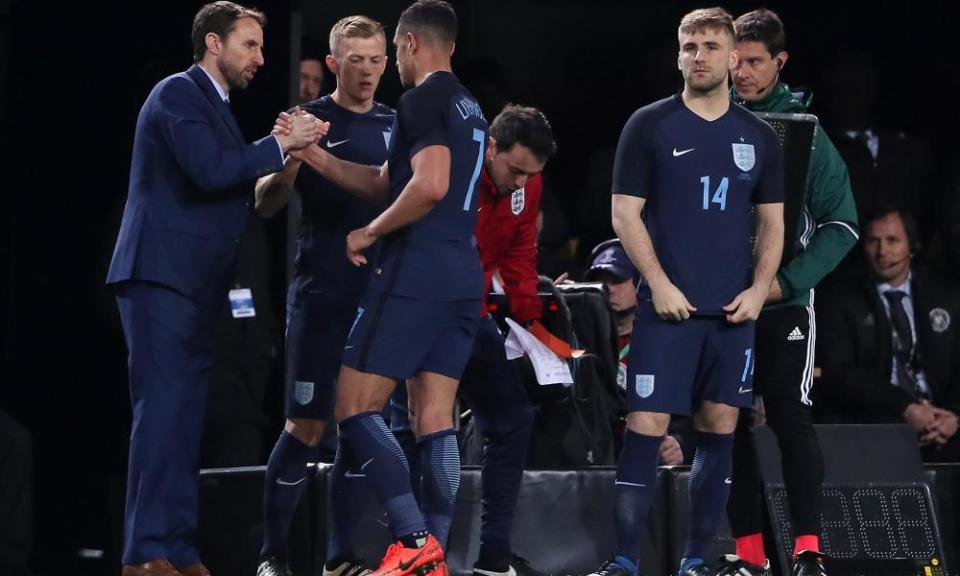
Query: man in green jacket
{"type": "Point", "coordinates": [786, 329]}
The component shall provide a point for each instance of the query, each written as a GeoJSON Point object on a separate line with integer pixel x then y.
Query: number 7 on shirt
{"type": "Point", "coordinates": [478, 137]}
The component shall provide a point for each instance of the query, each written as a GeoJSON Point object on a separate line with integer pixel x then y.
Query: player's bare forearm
{"type": "Point", "coordinates": [412, 205]}
{"type": "Point", "coordinates": [633, 235]}
{"type": "Point", "coordinates": [274, 191]}
{"type": "Point", "coordinates": [775, 294]}
{"type": "Point", "coordinates": [370, 183]}
{"type": "Point", "coordinates": [428, 186]}
{"type": "Point", "coordinates": [668, 301]}
{"type": "Point", "coordinates": [747, 305]}
{"type": "Point", "coordinates": [769, 245]}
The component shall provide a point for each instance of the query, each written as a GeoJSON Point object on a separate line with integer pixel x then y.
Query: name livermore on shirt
{"type": "Point", "coordinates": [435, 258]}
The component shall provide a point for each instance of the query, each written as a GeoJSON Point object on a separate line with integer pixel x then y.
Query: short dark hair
{"type": "Point", "coordinates": [526, 126]}
{"type": "Point", "coordinates": [219, 18]}
{"type": "Point", "coordinates": [762, 25]}
{"type": "Point", "coordinates": [883, 210]}
{"type": "Point", "coordinates": [431, 19]}
{"type": "Point", "coordinates": [704, 18]}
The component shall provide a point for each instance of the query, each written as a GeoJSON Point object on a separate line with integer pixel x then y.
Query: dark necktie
{"type": "Point", "coordinates": [902, 340]}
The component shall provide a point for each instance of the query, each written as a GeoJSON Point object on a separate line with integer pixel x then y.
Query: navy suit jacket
{"type": "Point", "coordinates": [191, 190]}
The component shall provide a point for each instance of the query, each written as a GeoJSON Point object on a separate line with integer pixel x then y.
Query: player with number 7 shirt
{"type": "Point", "coordinates": [418, 317]}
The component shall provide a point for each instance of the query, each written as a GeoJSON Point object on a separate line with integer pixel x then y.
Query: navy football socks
{"type": "Point", "coordinates": [635, 488]}
{"type": "Point", "coordinates": [380, 458]}
{"type": "Point", "coordinates": [285, 481]}
{"type": "Point", "coordinates": [348, 503]}
{"type": "Point", "coordinates": [440, 469]}
{"type": "Point", "coordinates": [710, 479]}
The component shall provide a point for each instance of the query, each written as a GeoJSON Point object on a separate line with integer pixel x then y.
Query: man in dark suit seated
{"type": "Point", "coordinates": [190, 196]}
{"type": "Point", "coordinates": [891, 343]}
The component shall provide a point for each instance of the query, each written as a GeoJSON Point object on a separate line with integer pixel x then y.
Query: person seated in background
{"type": "Point", "coordinates": [890, 342]}
{"type": "Point", "coordinates": [312, 72]}
{"type": "Point", "coordinates": [610, 265]}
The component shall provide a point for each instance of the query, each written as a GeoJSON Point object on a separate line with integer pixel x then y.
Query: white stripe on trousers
{"type": "Point", "coordinates": [806, 383]}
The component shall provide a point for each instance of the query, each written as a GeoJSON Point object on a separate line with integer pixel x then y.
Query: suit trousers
{"type": "Point", "coordinates": [170, 340]}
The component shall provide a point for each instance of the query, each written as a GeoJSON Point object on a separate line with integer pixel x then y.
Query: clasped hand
{"type": "Point", "coordinates": [298, 130]}
{"type": "Point", "coordinates": [935, 425]}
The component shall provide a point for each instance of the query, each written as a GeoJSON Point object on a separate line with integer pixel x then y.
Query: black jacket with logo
{"type": "Point", "coordinates": [855, 346]}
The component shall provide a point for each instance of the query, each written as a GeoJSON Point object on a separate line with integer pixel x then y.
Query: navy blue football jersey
{"type": "Point", "coordinates": [329, 212]}
{"type": "Point", "coordinates": [435, 258]}
{"type": "Point", "coordinates": [700, 180]}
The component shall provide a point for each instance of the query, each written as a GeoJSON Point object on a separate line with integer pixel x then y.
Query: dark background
{"type": "Point", "coordinates": [74, 75]}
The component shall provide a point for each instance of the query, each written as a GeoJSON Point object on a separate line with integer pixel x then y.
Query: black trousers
{"type": "Point", "coordinates": [783, 376]}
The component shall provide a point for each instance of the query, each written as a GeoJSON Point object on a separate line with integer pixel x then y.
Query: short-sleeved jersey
{"type": "Point", "coordinates": [329, 212]}
{"type": "Point", "coordinates": [700, 180]}
{"type": "Point", "coordinates": [435, 258]}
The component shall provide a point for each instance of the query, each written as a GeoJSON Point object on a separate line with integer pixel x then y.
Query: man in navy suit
{"type": "Point", "coordinates": [191, 186]}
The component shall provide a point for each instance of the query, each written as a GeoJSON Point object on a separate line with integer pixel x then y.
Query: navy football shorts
{"type": "Point", "coordinates": [316, 330]}
{"type": "Point", "coordinates": [399, 337]}
{"type": "Point", "coordinates": [675, 366]}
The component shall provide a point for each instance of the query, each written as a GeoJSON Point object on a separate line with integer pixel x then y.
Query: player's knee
{"type": "Point", "coordinates": [648, 423]}
{"type": "Point", "coordinates": [716, 418]}
{"type": "Point", "coordinates": [351, 404]}
{"type": "Point", "coordinates": [305, 430]}
{"type": "Point", "coordinates": [349, 409]}
{"type": "Point", "coordinates": [431, 419]}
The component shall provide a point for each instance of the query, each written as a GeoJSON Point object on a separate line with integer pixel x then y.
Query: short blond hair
{"type": "Point", "coordinates": [354, 27]}
{"type": "Point", "coordinates": [713, 18]}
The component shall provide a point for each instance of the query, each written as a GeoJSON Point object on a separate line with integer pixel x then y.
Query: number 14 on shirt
{"type": "Point", "coordinates": [719, 196]}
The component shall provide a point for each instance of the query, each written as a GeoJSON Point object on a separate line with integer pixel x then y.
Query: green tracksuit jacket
{"type": "Point", "coordinates": [829, 227]}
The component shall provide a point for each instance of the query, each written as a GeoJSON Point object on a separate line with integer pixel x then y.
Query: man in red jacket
{"type": "Point", "coordinates": [521, 141]}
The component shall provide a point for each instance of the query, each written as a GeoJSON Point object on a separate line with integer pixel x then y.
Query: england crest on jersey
{"type": "Point", "coordinates": [744, 156]}
{"type": "Point", "coordinates": [644, 385]}
{"type": "Point", "coordinates": [517, 201]}
{"type": "Point", "coordinates": [303, 392]}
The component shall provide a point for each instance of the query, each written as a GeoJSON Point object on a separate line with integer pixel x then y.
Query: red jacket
{"type": "Point", "coordinates": [507, 241]}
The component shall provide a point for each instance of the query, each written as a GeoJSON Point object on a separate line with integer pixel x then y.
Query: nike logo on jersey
{"type": "Point", "coordinates": [727, 481]}
{"type": "Point", "coordinates": [796, 334]}
{"type": "Point", "coordinates": [335, 144]}
{"type": "Point", "coordinates": [678, 153]}
{"type": "Point", "coordinates": [283, 482]}
{"type": "Point", "coordinates": [352, 475]}
{"type": "Point", "coordinates": [743, 390]}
